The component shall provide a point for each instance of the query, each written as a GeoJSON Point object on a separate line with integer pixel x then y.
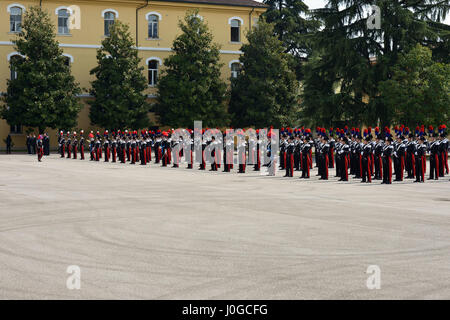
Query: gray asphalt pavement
{"type": "Point", "coordinates": [163, 233]}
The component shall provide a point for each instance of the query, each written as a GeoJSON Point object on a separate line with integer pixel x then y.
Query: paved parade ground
{"type": "Point", "coordinates": [162, 233]}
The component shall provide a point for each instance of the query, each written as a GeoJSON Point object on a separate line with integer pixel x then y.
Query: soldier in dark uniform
{"type": "Point", "coordinates": [123, 148]}
{"type": "Point", "coordinates": [290, 149]}
{"type": "Point", "coordinates": [62, 145]}
{"type": "Point", "coordinates": [29, 144]}
{"type": "Point", "coordinates": [332, 144]}
{"type": "Point", "coordinates": [444, 150]}
{"type": "Point", "coordinates": [106, 145]}
{"type": "Point", "coordinates": [143, 149]}
{"type": "Point", "coordinates": [297, 152]}
{"type": "Point", "coordinates": [157, 147]}
{"type": "Point", "coordinates": [8, 144]}
{"type": "Point", "coordinates": [40, 147]}
{"type": "Point", "coordinates": [133, 150]}
{"type": "Point", "coordinates": [128, 144]}
{"type": "Point", "coordinates": [113, 143]}
{"type": "Point", "coordinates": [420, 159]}
{"type": "Point", "coordinates": [399, 156]}
{"type": "Point", "coordinates": [98, 147]}
{"type": "Point", "coordinates": [410, 158]}
{"type": "Point", "coordinates": [344, 156]}
{"type": "Point", "coordinates": [324, 161]}
{"type": "Point", "coordinates": [33, 143]}
{"type": "Point", "coordinates": [257, 166]}
{"type": "Point", "coordinates": [165, 149]}
{"type": "Point", "coordinates": [306, 158]}
{"type": "Point", "coordinates": [75, 145]}
{"type": "Point", "coordinates": [378, 152]}
{"type": "Point", "coordinates": [283, 144]}
{"type": "Point", "coordinates": [388, 150]}
{"type": "Point", "coordinates": [69, 146]}
{"type": "Point", "coordinates": [357, 156]}
{"type": "Point", "coordinates": [81, 145]}
{"type": "Point", "coordinates": [46, 142]}
{"type": "Point", "coordinates": [366, 160]}
{"type": "Point", "coordinates": [92, 150]}
{"type": "Point", "coordinates": [434, 155]}
{"type": "Point", "coordinates": [213, 154]}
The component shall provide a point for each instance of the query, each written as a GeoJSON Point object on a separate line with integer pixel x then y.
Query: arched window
{"type": "Point", "coordinates": [235, 69]}
{"type": "Point", "coordinates": [15, 19]}
{"type": "Point", "coordinates": [152, 72]}
{"type": "Point", "coordinates": [109, 21]}
{"type": "Point", "coordinates": [235, 30]}
{"type": "Point", "coordinates": [153, 26]}
{"type": "Point", "coordinates": [13, 59]}
{"type": "Point", "coordinates": [63, 21]}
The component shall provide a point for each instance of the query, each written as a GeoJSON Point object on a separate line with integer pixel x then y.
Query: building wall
{"type": "Point", "coordinates": [83, 42]}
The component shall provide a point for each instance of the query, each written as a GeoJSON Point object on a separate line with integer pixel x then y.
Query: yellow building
{"type": "Point", "coordinates": [83, 24]}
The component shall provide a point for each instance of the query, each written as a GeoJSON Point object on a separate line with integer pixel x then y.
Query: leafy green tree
{"type": "Point", "coordinates": [43, 92]}
{"type": "Point", "coordinates": [419, 91]}
{"type": "Point", "coordinates": [265, 92]}
{"type": "Point", "coordinates": [293, 28]}
{"type": "Point", "coordinates": [356, 58]}
{"type": "Point", "coordinates": [119, 86]}
{"type": "Point", "coordinates": [190, 87]}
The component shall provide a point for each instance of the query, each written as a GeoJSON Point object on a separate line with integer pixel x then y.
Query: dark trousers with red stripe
{"type": "Point", "coordinates": [420, 168]}
{"type": "Point", "coordinates": [400, 168]}
{"type": "Point", "coordinates": [387, 170]}
{"type": "Point", "coordinates": [366, 169]}
{"type": "Point", "coordinates": [378, 168]}
{"type": "Point", "coordinates": [434, 166]}
{"type": "Point", "coordinates": [324, 166]}
{"type": "Point", "coordinates": [40, 153]}
{"type": "Point", "coordinates": [289, 165]}
{"type": "Point", "coordinates": [344, 167]}
{"type": "Point", "coordinates": [441, 164]}
{"type": "Point", "coordinates": [306, 160]}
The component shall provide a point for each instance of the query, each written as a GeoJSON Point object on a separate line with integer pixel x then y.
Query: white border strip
{"type": "Point", "coordinates": [155, 14]}
{"type": "Point", "coordinates": [96, 46]}
{"type": "Point", "coordinates": [154, 58]}
{"type": "Point", "coordinates": [15, 5]}
{"type": "Point", "coordinates": [64, 8]}
{"type": "Point", "coordinates": [236, 18]}
{"type": "Point", "coordinates": [110, 10]}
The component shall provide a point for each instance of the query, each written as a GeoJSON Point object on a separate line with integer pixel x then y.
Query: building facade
{"type": "Point", "coordinates": [81, 25]}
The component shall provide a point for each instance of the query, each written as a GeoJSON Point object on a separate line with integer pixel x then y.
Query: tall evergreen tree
{"type": "Point", "coordinates": [357, 59]}
{"type": "Point", "coordinates": [265, 92]}
{"type": "Point", "coordinates": [293, 27]}
{"type": "Point", "coordinates": [119, 86]}
{"type": "Point", "coordinates": [191, 87]}
{"type": "Point", "coordinates": [419, 90]}
{"type": "Point", "coordinates": [43, 93]}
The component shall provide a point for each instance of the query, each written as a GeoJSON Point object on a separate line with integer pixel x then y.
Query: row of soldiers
{"type": "Point", "coordinates": [130, 146]}
{"type": "Point", "coordinates": [370, 155]}
{"type": "Point", "coordinates": [364, 156]}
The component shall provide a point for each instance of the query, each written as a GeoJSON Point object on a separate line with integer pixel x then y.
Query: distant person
{"type": "Point", "coordinates": [33, 143]}
{"type": "Point", "coordinates": [8, 144]}
{"type": "Point", "coordinates": [46, 143]}
{"type": "Point", "coordinates": [40, 147]}
{"type": "Point", "coordinates": [29, 143]}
